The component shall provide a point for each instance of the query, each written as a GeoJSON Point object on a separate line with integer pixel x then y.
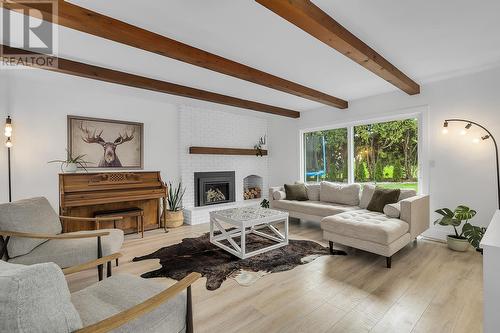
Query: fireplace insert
{"type": "Point", "coordinates": [212, 188]}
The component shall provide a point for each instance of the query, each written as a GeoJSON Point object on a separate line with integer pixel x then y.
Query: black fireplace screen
{"type": "Point", "coordinates": [214, 187]}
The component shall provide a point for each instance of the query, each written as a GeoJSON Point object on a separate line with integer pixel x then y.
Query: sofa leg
{"type": "Point", "coordinates": [388, 261]}
{"type": "Point", "coordinates": [330, 243]}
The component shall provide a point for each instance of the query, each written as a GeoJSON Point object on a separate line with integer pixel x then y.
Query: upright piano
{"type": "Point", "coordinates": [85, 194]}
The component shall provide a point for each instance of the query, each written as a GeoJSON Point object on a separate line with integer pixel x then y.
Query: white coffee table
{"type": "Point", "coordinates": [247, 220]}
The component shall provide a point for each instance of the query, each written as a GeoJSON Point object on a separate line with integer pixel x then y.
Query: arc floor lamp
{"type": "Point", "coordinates": [468, 125]}
{"type": "Point", "coordinates": [8, 144]}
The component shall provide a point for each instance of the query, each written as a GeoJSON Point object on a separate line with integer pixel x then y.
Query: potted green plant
{"type": "Point", "coordinates": [264, 203]}
{"type": "Point", "coordinates": [174, 215]}
{"type": "Point", "coordinates": [260, 146]}
{"type": "Point", "coordinates": [469, 234]}
{"type": "Point", "coordinates": [71, 164]}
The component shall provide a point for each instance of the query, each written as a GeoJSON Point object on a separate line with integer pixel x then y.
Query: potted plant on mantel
{"type": "Point", "coordinates": [469, 234]}
{"type": "Point", "coordinates": [71, 164]}
{"type": "Point", "coordinates": [174, 215]}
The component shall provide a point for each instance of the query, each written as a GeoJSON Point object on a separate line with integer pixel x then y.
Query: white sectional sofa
{"type": "Point", "coordinates": [349, 223]}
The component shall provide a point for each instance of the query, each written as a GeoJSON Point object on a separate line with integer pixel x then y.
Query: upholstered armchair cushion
{"type": "Point", "coordinates": [34, 215]}
{"type": "Point", "coordinates": [35, 299]}
{"type": "Point", "coordinates": [122, 292]}
{"type": "Point", "coordinates": [71, 252]}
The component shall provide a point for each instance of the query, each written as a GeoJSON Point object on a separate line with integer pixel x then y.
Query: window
{"type": "Point", "coordinates": [385, 153]}
{"type": "Point", "coordinates": [326, 156]}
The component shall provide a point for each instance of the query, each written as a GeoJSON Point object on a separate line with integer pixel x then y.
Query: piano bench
{"type": "Point", "coordinates": [138, 213]}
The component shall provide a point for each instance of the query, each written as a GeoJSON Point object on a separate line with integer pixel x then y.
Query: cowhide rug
{"type": "Point", "coordinates": [199, 255]}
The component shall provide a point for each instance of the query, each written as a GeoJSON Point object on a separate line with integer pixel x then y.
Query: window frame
{"type": "Point", "coordinates": [419, 113]}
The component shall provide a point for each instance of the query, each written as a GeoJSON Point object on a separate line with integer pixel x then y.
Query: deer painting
{"type": "Point", "coordinates": [109, 158]}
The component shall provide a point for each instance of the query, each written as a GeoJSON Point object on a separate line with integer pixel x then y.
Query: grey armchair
{"type": "Point", "coordinates": [36, 298]}
{"type": "Point", "coordinates": [31, 233]}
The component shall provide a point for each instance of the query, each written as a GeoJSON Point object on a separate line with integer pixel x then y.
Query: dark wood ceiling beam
{"type": "Point", "coordinates": [109, 75]}
{"type": "Point", "coordinates": [84, 20]}
{"type": "Point", "coordinates": [310, 18]}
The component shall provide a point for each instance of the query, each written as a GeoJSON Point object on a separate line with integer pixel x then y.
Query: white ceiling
{"type": "Point", "coordinates": [426, 39]}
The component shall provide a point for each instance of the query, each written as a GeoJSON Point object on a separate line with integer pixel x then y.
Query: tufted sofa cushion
{"type": "Point", "coordinates": [314, 208]}
{"type": "Point", "coordinates": [366, 225]}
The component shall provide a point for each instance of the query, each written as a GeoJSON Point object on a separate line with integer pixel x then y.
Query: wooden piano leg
{"type": "Point", "coordinates": [99, 255]}
{"type": "Point", "coordinates": [142, 226]}
{"type": "Point", "coordinates": [138, 221]}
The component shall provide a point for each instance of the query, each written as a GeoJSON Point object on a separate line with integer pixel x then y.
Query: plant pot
{"type": "Point", "coordinates": [457, 244]}
{"type": "Point", "coordinates": [174, 219]}
{"type": "Point", "coordinates": [69, 167]}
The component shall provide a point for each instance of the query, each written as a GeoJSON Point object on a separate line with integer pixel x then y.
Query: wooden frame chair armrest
{"type": "Point", "coordinates": [52, 236]}
{"type": "Point", "coordinates": [91, 264]}
{"type": "Point", "coordinates": [140, 309]}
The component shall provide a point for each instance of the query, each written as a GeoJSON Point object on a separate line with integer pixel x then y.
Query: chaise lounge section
{"type": "Point", "coordinates": [355, 226]}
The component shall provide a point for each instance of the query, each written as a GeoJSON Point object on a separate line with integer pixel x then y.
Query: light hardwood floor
{"type": "Point", "coordinates": [428, 289]}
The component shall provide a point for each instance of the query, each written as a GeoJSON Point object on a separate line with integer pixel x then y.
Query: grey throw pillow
{"type": "Point", "coordinates": [35, 298]}
{"type": "Point", "coordinates": [296, 192]}
{"type": "Point", "coordinates": [382, 197]}
{"type": "Point", "coordinates": [312, 190]}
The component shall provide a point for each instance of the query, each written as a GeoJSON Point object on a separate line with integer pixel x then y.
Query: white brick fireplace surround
{"type": "Point", "coordinates": [208, 128]}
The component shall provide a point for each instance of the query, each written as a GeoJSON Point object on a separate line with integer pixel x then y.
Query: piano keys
{"type": "Point", "coordinates": [85, 194]}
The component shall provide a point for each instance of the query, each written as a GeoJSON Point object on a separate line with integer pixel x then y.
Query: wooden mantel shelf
{"type": "Point", "coordinates": [224, 151]}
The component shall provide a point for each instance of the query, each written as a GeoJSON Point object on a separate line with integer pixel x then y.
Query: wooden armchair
{"type": "Point", "coordinates": [31, 233]}
{"type": "Point", "coordinates": [121, 303]}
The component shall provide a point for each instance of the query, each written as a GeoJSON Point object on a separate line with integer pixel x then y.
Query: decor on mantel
{"type": "Point", "coordinates": [85, 135]}
{"type": "Point", "coordinates": [468, 125]}
{"type": "Point", "coordinates": [199, 255]}
{"type": "Point", "coordinates": [174, 215]}
{"type": "Point", "coordinates": [71, 164]}
{"type": "Point", "coordinates": [469, 234]}
{"type": "Point", "coordinates": [260, 145]}
{"type": "Point", "coordinates": [8, 144]}
{"type": "Point", "coordinates": [224, 151]}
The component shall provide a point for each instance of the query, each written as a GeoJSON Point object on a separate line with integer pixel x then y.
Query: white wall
{"type": "Point", "coordinates": [39, 101]}
{"type": "Point", "coordinates": [201, 127]}
{"type": "Point", "coordinates": [460, 172]}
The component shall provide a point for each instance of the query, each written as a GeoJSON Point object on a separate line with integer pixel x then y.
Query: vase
{"type": "Point", "coordinates": [69, 167]}
{"type": "Point", "coordinates": [457, 244]}
{"type": "Point", "coordinates": [174, 219]}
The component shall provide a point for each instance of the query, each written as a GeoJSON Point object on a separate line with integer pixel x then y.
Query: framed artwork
{"type": "Point", "coordinates": [107, 143]}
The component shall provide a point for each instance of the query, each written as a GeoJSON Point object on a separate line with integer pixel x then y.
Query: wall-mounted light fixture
{"type": "Point", "coordinates": [8, 144]}
{"type": "Point", "coordinates": [445, 127]}
{"type": "Point", "coordinates": [477, 141]}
